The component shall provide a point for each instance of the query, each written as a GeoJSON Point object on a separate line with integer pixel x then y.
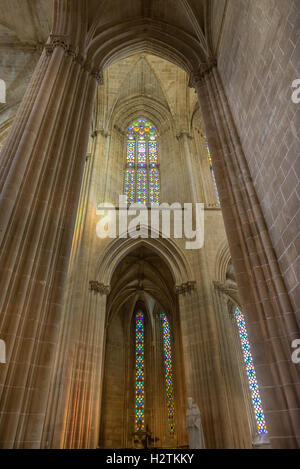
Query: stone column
{"type": "Point", "coordinates": [204, 377]}
{"type": "Point", "coordinates": [73, 411]}
{"type": "Point", "coordinates": [271, 321]}
{"type": "Point", "coordinates": [184, 138]}
{"type": "Point", "coordinates": [240, 409]}
{"type": "Point", "coordinates": [210, 196]}
{"type": "Point", "coordinates": [43, 160]}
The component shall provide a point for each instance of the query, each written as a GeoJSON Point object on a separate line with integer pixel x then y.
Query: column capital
{"type": "Point", "coordinates": [184, 133]}
{"type": "Point", "coordinates": [98, 287]}
{"type": "Point", "coordinates": [100, 132]}
{"type": "Point", "coordinates": [224, 288]}
{"type": "Point", "coordinates": [62, 41]}
{"type": "Point", "coordinates": [186, 287]}
{"type": "Point", "coordinates": [197, 76]}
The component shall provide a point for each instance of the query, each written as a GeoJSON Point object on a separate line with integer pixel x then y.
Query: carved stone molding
{"type": "Point", "coordinates": [98, 287]}
{"type": "Point", "coordinates": [100, 132]}
{"type": "Point", "coordinates": [187, 287]}
{"type": "Point", "coordinates": [224, 288]}
{"type": "Point", "coordinates": [60, 41]}
{"type": "Point", "coordinates": [215, 206]}
{"type": "Point", "coordinates": [197, 77]}
{"type": "Point", "coordinates": [184, 133]}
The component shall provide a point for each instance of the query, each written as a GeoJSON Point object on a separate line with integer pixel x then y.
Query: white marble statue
{"type": "Point", "coordinates": [194, 426]}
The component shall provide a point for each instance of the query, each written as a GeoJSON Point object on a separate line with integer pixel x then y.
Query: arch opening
{"type": "Point", "coordinates": [140, 408]}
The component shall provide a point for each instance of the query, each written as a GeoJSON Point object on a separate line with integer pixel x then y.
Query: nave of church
{"type": "Point", "coordinates": [124, 334]}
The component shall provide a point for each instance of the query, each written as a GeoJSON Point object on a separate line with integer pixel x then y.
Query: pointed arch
{"type": "Point", "coordinates": [167, 249]}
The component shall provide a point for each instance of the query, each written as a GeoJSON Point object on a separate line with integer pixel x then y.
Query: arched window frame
{"type": "Point", "coordinates": [142, 171]}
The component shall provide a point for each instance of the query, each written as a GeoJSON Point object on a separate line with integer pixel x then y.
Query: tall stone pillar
{"type": "Point", "coordinates": [271, 321]}
{"type": "Point", "coordinates": [183, 139]}
{"type": "Point", "coordinates": [205, 380]}
{"type": "Point", "coordinates": [74, 406]}
{"type": "Point", "coordinates": [238, 401]}
{"type": "Point", "coordinates": [40, 178]}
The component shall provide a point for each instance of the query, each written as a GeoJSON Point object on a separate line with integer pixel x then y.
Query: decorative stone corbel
{"type": "Point", "coordinates": [224, 288]}
{"type": "Point", "coordinates": [62, 41]}
{"type": "Point", "coordinates": [98, 287]}
{"type": "Point", "coordinates": [184, 288]}
{"type": "Point", "coordinates": [184, 133]}
{"type": "Point", "coordinates": [212, 206]}
{"type": "Point", "coordinates": [100, 132]}
{"type": "Point", "coordinates": [98, 74]}
{"type": "Point", "coordinates": [197, 76]}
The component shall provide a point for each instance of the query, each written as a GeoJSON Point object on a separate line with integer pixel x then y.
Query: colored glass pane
{"type": "Point", "coordinates": [142, 184]}
{"type": "Point", "coordinates": [253, 385]}
{"type": "Point", "coordinates": [154, 186]}
{"type": "Point", "coordinates": [168, 372]}
{"type": "Point", "coordinates": [141, 189]}
{"type": "Point", "coordinates": [139, 373]}
{"type": "Point", "coordinates": [212, 171]}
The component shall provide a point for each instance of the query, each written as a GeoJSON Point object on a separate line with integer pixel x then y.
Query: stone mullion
{"type": "Point", "coordinates": [251, 248]}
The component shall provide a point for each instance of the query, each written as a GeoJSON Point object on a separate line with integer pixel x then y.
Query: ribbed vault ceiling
{"type": "Point", "coordinates": [185, 32]}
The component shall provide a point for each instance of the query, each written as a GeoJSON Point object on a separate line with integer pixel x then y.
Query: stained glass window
{"type": "Point", "coordinates": [211, 170]}
{"type": "Point", "coordinates": [130, 184]}
{"type": "Point", "coordinates": [168, 372]}
{"type": "Point", "coordinates": [139, 373]}
{"type": "Point", "coordinates": [142, 176]}
{"type": "Point", "coordinates": [253, 386]}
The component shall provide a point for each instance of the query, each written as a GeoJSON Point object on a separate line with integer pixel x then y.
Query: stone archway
{"type": "Point", "coordinates": [141, 281]}
{"type": "Point", "coordinates": [40, 185]}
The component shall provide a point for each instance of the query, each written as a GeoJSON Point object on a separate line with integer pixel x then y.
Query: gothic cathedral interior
{"type": "Point", "coordinates": [149, 228]}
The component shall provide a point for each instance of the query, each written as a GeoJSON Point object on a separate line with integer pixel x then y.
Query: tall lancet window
{"type": "Point", "coordinates": [252, 381]}
{"type": "Point", "coordinates": [139, 373]}
{"type": "Point", "coordinates": [211, 170]}
{"type": "Point", "coordinates": [168, 372]}
{"type": "Point", "coordinates": [142, 178]}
